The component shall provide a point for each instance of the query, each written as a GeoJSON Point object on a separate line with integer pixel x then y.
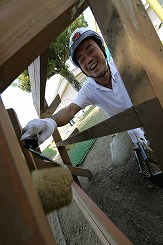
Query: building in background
{"type": "Point", "coordinates": [67, 93]}
{"type": "Point", "coordinates": [157, 23]}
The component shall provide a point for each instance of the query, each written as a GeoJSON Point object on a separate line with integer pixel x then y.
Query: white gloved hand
{"type": "Point", "coordinates": [137, 133]}
{"type": "Point", "coordinates": [40, 128]}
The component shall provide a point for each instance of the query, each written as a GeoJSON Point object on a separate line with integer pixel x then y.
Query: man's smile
{"type": "Point", "coordinates": [93, 66]}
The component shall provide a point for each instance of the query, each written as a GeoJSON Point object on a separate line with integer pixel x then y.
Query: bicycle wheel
{"type": "Point", "coordinates": [148, 165]}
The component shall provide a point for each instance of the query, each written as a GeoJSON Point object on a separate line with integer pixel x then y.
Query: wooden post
{"type": "Point", "coordinates": [137, 52]}
{"type": "Point", "coordinates": [106, 231]}
{"type": "Point", "coordinates": [17, 128]}
{"type": "Point", "coordinates": [26, 34]}
{"type": "Point", "coordinates": [22, 218]}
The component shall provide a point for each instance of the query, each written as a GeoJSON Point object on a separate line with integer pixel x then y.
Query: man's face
{"type": "Point", "coordinates": [91, 58]}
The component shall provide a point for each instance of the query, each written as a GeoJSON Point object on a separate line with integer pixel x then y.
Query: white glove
{"type": "Point", "coordinates": [137, 133]}
{"type": "Point", "coordinates": [40, 128]}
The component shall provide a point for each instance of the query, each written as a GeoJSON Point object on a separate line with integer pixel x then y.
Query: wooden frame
{"type": "Point", "coordinates": [25, 36]}
{"type": "Point", "coordinates": [22, 218]}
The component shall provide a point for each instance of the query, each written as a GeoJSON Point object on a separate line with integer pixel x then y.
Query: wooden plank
{"type": "Point", "coordinates": [134, 45]}
{"type": "Point", "coordinates": [80, 171]}
{"type": "Point", "coordinates": [63, 153]}
{"type": "Point", "coordinates": [152, 118]}
{"type": "Point", "coordinates": [34, 27]}
{"type": "Point", "coordinates": [106, 231]}
{"type": "Point", "coordinates": [137, 51]}
{"type": "Point", "coordinates": [62, 149]}
{"type": "Point", "coordinates": [74, 170]}
{"type": "Point", "coordinates": [53, 106]}
{"type": "Point", "coordinates": [17, 128]}
{"type": "Point", "coordinates": [121, 122]}
{"type": "Point", "coordinates": [38, 76]}
{"type": "Point", "coordinates": [22, 218]}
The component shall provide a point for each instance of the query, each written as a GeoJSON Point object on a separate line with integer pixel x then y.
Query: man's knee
{"type": "Point", "coordinates": [121, 148]}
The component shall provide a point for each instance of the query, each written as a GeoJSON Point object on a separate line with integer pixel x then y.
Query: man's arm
{"type": "Point", "coordinates": [65, 115]}
{"type": "Point", "coordinates": [44, 128]}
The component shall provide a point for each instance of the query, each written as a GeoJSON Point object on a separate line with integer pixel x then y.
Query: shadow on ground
{"type": "Point", "coordinates": [131, 202]}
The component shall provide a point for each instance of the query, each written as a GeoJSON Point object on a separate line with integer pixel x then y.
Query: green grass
{"type": "Point", "coordinates": [49, 151]}
{"type": "Point", "coordinates": [79, 151]}
{"type": "Point", "coordinates": [92, 118]}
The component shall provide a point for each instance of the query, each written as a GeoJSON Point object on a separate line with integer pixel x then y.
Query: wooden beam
{"type": "Point", "coordinates": [152, 119]}
{"type": "Point", "coordinates": [22, 218]}
{"type": "Point", "coordinates": [17, 128]}
{"type": "Point", "coordinates": [106, 231]}
{"type": "Point", "coordinates": [38, 76]}
{"type": "Point", "coordinates": [26, 30]}
{"type": "Point", "coordinates": [121, 122]}
{"type": "Point", "coordinates": [138, 53]}
{"type": "Point", "coordinates": [63, 153]}
{"type": "Point", "coordinates": [74, 170]}
{"type": "Point", "coordinates": [62, 149]}
{"type": "Point", "coordinates": [77, 171]}
{"type": "Point", "coordinates": [53, 106]}
{"type": "Point", "coordinates": [134, 46]}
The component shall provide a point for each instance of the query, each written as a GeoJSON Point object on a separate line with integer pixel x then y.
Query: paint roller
{"type": "Point", "coordinates": [52, 184]}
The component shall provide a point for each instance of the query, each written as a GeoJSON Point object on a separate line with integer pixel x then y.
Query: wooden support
{"type": "Point", "coordinates": [138, 54]}
{"type": "Point", "coordinates": [38, 76]}
{"type": "Point", "coordinates": [62, 150]}
{"type": "Point", "coordinates": [76, 171]}
{"type": "Point", "coordinates": [53, 106]}
{"type": "Point", "coordinates": [152, 119]}
{"type": "Point", "coordinates": [17, 128]}
{"type": "Point", "coordinates": [26, 30]}
{"type": "Point", "coordinates": [66, 159]}
{"type": "Point", "coordinates": [22, 218]}
{"type": "Point", "coordinates": [118, 123]}
{"type": "Point", "coordinates": [134, 46]}
{"type": "Point", "coordinates": [106, 231]}
{"type": "Point", "coordinates": [37, 162]}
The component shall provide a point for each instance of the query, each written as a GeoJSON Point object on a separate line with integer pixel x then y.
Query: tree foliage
{"type": "Point", "coordinates": [58, 55]}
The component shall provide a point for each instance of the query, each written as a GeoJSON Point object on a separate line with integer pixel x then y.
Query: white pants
{"type": "Point", "coordinates": [121, 148]}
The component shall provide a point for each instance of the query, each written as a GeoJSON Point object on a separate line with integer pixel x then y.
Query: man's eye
{"type": "Point", "coordinates": [81, 61]}
{"type": "Point", "coordinates": [91, 51]}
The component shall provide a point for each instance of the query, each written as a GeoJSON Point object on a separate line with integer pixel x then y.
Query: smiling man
{"type": "Point", "coordinates": [104, 89]}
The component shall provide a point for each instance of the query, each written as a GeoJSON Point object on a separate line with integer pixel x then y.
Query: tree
{"type": "Point", "coordinates": [58, 55]}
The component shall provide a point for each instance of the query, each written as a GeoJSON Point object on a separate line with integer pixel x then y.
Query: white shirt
{"type": "Point", "coordinates": [112, 101]}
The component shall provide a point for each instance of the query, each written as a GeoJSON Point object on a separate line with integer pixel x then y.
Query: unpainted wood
{"type": "Point", "coordinates": [26, 30]}
{"type": "Point", "coordinates": [77, 171]}
{"type": "Point", "coordinates": [38, 76]}
{"type": "Point", "coordinates": [121, 122]}
{"type": "Point", "coordinates": [134, 46]}
{"type": "Point", "coordinates": [17, 128]}
{"type": "Point", "coordinates": [52, 107]}
{"type": "Point", "coordinates": [66, 159]}
{"type": "Point", "coordinates": [138, 54]}
{"type": "Point", "coordinates": [106, 231]}
{"type": "Point", "coordinates": [22, 218]}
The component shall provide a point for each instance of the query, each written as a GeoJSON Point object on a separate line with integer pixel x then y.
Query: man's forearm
{"type": "Point", "coordinates": [62, 117]}
{"type": "Point", "coordinates": [65, 115]}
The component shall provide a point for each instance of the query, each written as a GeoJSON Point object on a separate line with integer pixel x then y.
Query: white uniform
{"type": "Point", "coordinates": [111, 101]}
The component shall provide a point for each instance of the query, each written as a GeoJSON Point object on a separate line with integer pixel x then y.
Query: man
{"type": "Point", "coordinates": [104, 89]}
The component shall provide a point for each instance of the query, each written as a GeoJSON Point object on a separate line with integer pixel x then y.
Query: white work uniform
{"type": "Point", "coordinates": [112, 101]}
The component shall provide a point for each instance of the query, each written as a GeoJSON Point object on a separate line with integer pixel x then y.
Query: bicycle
{"type": "Point", "coordinates": [147, 162]}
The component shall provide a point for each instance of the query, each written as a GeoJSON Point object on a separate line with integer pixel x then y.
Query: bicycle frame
{"type": "Point", "coordinates": [148, 165]}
